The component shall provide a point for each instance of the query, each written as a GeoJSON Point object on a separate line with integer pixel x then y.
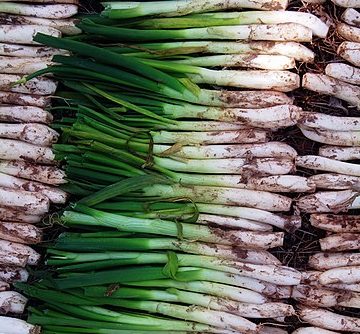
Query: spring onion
{"type": "Point", "coordinates": [350, 52]}
{"type": "Point", "coordinates": [348, 32]}
{"type": "Point", "coordinates": [325, 261]}
{"type": "Point", "coordinates": [351, 16]}
{"type": "Point", "coordinates": [340, 153]}
{"type": "Point", "coordinates": [344, 72]}
{"type": "Point", "coordinates": [24, 114]}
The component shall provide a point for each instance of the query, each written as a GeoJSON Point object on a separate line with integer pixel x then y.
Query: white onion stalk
{"type": "Point", "coordinates": [75, 2]}
{"type": "Point", "coordinates": [57, 11]}
{"type": "Point", "coordinates": [329, 122]}
{"type": "Point", "coordinates": [37, 86]}
{"type": "Point", "coordinates": [340, 242]}
{"type": "Point", "coordinates": [336, 223]}
{"type": "Point", "coordinates": [347, 3]}
{"type": "Point", "coordinates": [10, 274]}
{"type": "Point", "coordinates": [66, 26]}
{"type": "Point", "coordinates": [343, 72]}
{"type": "Point", "coordinates": [33, 203]}
{"type": "Point", "coordinates": [4, 286]}
{"type": "Point", "coordinates": [340, 153]}
{"type": "Point", "coordinates": [329, 165]}
{"type": "Point", "coordinates": [16, 50]}
{"type": "Point", "coordinates": [313, 330]}
{"type": "Point", "coordinates": [227, 196]}
{"type": "Point", "coordinates": [205, 126]}
{"type": "Point", "coordinates": [324, 84]}
{"type": "Point", "coordinates": [211, 137]}
{"type": "Point", "coordinates": [342, 275]}
{"type": "Point", "coordinates": [283, 81]}
{"type": "Point", "coordinates": [263, 150]}
{"type": "Point", "coordinates": [348, 32]}
{"type": "Point", "coordinates": [12, 215]}
{"type": "Point", "coordinates": [12, 302]}
{"type": "Point", "coordinates": [24, 114]}
{"type": "Point", "coordinates": [262, 62]}
{"type": "Point", "coordinates": [23, 34]}
{"type": "Point", "coordinates": [24, 99]}
{"type": "Point", "coordinates": [19, 232]}
{"type": "Point", "coordinates": [55, 195]}
{"type": "Point", "coordinates": [33, 257]}
{"type": "Point", "coordinates": [268, 118]}
{"type": "Point", "coordinates": [330, 201]}
{"type": "Point", "coordinates": [12, 65]}
{"type": "Point", "coordinates": [335, 181]}
{"type": "Point", "coordinates": [45, 174]}
{"type": "Point", "coordinates": [12, 259]}
{"type": "Point", "coordinates": [351, 16]}
{"type": "Point", "coordinates": [350, 52]}
{"type": "Point", "coordinates": [262, 216]}
{"type": "Point", "coordinates": [272, 330]}
{"type": "Point", "coordinates": [323, 297]}
{"type": "Point", "coordinates": [325, 261]}
{"type": "Point", "coordinates": [233, 222]}
{"type": "Point", "coordinates": [18, 150]}
{"type": "Point", "coordinates": [37, 134]}
{"type": "Point", "coordinates": [17, 326]}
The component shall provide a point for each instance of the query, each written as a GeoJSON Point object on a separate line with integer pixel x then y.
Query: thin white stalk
{"type": "Point", "coordinates": [16, 50]}
{"type": "Point", "coordinates": [335, 181]}
{"type": "Point", "coordinates": [329, 165]}
{"type": "Point", "coordinates": [54, 194]}
{"type": "Point", "coordinates": [37, 86]}
{"type": "Point", "coordinates": [336, 223]}
{"type": "Point", "coordinates": [330, 201]}
{"type": "Point", "coordinates": [12, 65]}
{"type": "Point", "coordinates": [4, 286]}
{"type": "Point", "coordinates": [24, 99]}
{"type": "Point", "coordinates": [313, 330]}
{"type": "Point", "coordinates": [348, 32]}
{"type": "Point", "coordinates": [12, 259]}
{"type": "Point", "coordinates": [17, 326]}
{"type": "Point", "coordinates": [75, 2]}
{"type": "Point", "coordinates": [324, 84]}
{"type": "Point", "coordinates": [33, 203]}
{"type": "Point", "coordinates": [18, 150]}
{"type": "Point", "coordinates": [204, 126]}
{"type": "Point", "coordinates": [211, 137]}
{"type": "Point", "coordinates": [24, 34]}
{"type": "Point", "coordinates": [267, 310]}
{"type": "Point", "coordinates": [351, 16]}
{"type": "Point", "coordinates": [13, 274]}
{"type": "Point", "coordinates": [66, 26]}
{"type": "Point", "coordinates": [272, 330]}
{"type": "Point", "coordinates": [342, 275]}
{"type": "Point", "coordinates": [12, 302]}
{"type": "Point", "coordinates": [19, 232]}
{"type": "Point", "coordinates": [350, 52]}
{"type": "Point", "coordinates": [10, 214]}
{"type": "Point", "coordinates": [347, 287]}
{"type": "Point", "coordinates": [37, 134]}
{"type": "Point", "coordinates": [33, 257]}
{"type": "Point", "coordinates": [283, 81]}
{"type": "Point", "coordinates": [347, 3]}
{"type": "Point", "coordinates": [227, 196]}
{"type": "Point", "coordinates": [340, 153]}
{"type": "Point", "coordinates": [57, 11]}
{"type": "Point", "coordinates": [263, 150]}
{"type": "Point", "coordinates": [340, 242]}
{"type": "Point", "coordinates": [320, 121]}
{"type": "Point", "coordinates": [343, 72]}
{"type": "Point", "coordinates": [325, 261]}
{"type": "Point", "coordinates": [24, 114]}
{"type": "Point", "coordinates": [45, 174]}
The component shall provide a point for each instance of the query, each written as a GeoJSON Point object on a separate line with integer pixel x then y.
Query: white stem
{"type": "Point", "coordinates": [13, 274]}
{"type": "Point", "coordinates": [283, 81]}
{"type": "Point", "coordinates": [12, 65]}
{"type": "Point", "coordinates": [350, 33]}
{"type": "Point", "coordinates": [326, 85]}
{"type": "Point", "coordinates": [24, 114]}
{"type": "Point", "coordinates": [351, 16]}
{"type": "Point", "coordinates": [16, 50]}
{"type": "Point", "coordinates": [4, 286]}
{"type": "Point", "coordinates": [335, 181]}
{"type": "Point", "coordinates": [24, 34]}
{"type": "Point", "coordinates": [347, 3]}
{"type": "Point", "coordinates": [329, 165]}
{"type": "Point", "coordinates": [343, 275]}
{"type": "Point", "coordinates": [19, 232]}
{"type": "Point", "coordinates": [340, 242]}
{"type": "Point", "coordinates": [330, 201]}
{"type": "Point", "coordinates": [75, 2]}
{"type": "Point", "coordinates": [12, 302]}
{"type": "Point", "coordinates": [10, 214]}
{"type": "Point", "coordinates": [340, 153]}
{"type": "Point", "coordinates": [33, 257]}
{"type": "Point", "coordinates": [336, 223]}
{"type": "Point", "coordinates": [17, 326]}
{"type": "Point", "coordinates": [343, 72]}
{"type": "Point", "coordinates": [24, 99]}
{"type": "Point", "coordinates": [313, 330]}
{"type": "Point", "coordinates": [45, 174]}
{"type": "Point", "coordinates": [325, 261]}
{"type": "Point", "coordinates": [350, 52]}
{"type": "Point", "coordinates": [12, 259]}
